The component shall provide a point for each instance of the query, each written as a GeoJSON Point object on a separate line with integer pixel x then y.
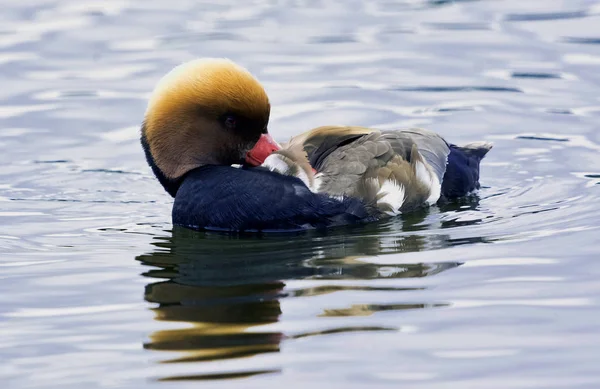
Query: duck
{"type": "Point", "coordinates": [205, 135]}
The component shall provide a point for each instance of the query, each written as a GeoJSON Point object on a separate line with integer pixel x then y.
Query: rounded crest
{"type": "Point", "coordinates": [205, 111]}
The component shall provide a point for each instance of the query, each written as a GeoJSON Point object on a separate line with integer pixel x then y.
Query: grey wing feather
{"type": "Point", "coordinates": [432, 147]}
{"type": "Point", "coordinates": [390, 170]}
{"type": "Point", "coordinates": [343, 168]}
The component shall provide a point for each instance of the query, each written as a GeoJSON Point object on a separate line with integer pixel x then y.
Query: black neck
{"type": "Point", "coordinates": [170, 185]}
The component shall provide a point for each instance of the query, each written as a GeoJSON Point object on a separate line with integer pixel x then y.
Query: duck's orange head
{"type": "Point", "coordinates": [204, 112]}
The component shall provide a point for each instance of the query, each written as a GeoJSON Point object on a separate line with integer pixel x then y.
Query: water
{"type": "Point", "coordinates": [496, 291]}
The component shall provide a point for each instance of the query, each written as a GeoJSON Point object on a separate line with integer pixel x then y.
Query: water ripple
{"type": "Point", "coordinates": [498, 289]}
{"type": "Point", "coordinates": [534, 17]}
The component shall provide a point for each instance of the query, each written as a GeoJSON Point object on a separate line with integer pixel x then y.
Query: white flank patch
{"type": "Point", "coordinates": [430, 180]}
{"type": "Point", "coordinates": [317, 181]}
{"type": "Point", "coordinates": [275, 163]}
{"type": "Point", "coordinates": [393, 194]}
{"type": "Point", "coordinates": [303, 176]}
{"type": "Point", "coordinates": [436, 190]}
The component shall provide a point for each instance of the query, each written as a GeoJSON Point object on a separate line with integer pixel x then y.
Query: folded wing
{"type": "Point", "coordinates": [393, 170]}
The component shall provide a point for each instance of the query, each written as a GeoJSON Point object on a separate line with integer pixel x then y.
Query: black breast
{"type": "Point", "coordinates": [227, 198]}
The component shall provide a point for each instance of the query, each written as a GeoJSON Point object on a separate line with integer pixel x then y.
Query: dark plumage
{"type": "Point", "coordinates": [256, 199]}
{"type": "Point", "coordinates": [462, 170]}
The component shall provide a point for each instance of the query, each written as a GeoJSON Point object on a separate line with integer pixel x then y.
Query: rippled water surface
{"type": "Point", "coordinates": [500, 290]}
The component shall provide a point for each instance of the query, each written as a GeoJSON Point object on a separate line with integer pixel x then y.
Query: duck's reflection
{"type": "Point", "coordinates": [220, 316]}
{"type": "Point", "coordinates": [221, 286]}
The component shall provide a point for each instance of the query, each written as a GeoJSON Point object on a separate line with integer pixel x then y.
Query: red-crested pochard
{"type": "Point", "coordinates": [209, 114]}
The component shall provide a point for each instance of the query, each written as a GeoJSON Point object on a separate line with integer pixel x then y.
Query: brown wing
{"type": "Point", "coordinates": [432, 147]}
{"type": "Point", "coordinates": [382, 168]}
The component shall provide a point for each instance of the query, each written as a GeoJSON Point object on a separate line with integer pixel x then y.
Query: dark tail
{"type": "Point", "coordinates": [462, 169]}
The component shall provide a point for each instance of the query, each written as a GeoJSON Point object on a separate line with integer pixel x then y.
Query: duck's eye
{"type": "Point", "coordinates": [230, 122]}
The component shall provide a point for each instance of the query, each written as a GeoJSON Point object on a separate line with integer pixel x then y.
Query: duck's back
{"type": "Point", "coordinates": [397, 170]}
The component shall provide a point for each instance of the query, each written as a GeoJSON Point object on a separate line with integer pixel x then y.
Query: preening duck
{"type": "Point", "coordinates": [208, 115]}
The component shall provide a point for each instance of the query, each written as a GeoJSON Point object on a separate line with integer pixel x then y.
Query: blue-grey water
{"type": "Point", "coordinates": [500, 290]}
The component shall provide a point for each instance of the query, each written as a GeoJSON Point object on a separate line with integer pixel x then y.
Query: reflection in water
{"type": "Point", "coordinates": [223, 285]}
